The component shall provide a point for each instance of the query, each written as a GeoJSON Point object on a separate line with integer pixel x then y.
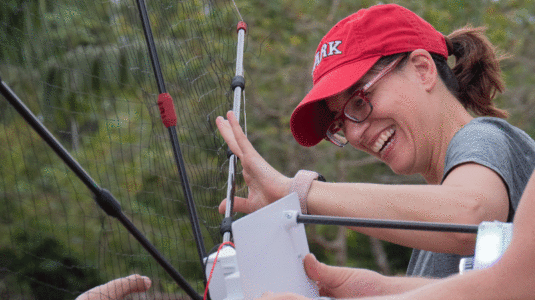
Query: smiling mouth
{"type": "Point", "coordinates": [383, 141]}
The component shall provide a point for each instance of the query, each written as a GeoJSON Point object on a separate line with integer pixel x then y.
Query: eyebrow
{"type": "Point", "coordinates": [347, 93]}
{"type": "Point", "coordinates": [357, 86]}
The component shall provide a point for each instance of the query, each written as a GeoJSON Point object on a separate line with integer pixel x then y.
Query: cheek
{"type": "Point", "coordinates": [401, 104]}
{"type": "Point", "coordinates": [406, 100]}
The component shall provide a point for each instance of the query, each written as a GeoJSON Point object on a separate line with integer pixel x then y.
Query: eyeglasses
{"type": "Point", "coordinates": [357, 109]}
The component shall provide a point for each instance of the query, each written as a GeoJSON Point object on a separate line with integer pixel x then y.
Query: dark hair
{"type": "Point", "coordinates": [476, 77]}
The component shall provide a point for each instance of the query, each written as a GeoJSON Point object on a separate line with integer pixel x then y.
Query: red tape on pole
{"type": "Point", "coordinates": [242, 25]}
{"type": "Point", "coordinates": [167, 110]}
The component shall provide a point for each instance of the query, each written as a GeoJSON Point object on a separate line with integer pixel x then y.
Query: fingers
{"type": "Point", "coordinates": [239, 205]}
{"type": "Point", "coordinates": [228, 135]}
{"type": "Point", "coordinates": [247, 149]}
{"type": "Point", "coordinates": [117, 289]}
{"type": "Point", "coordinates": [233, 134]}
{"type": "Point", "coordinates": [239, 135]}
{"type": "Point", "coordinates": [223, 206]}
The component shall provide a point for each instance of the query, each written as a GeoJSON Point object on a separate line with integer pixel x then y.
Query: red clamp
{"type": "Point", "coordinates": [242, 25]}
{"type": "Point", "coordinates": [167, 110]}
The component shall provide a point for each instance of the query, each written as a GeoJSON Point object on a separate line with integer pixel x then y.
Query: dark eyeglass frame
{"type": "Point", "coordinates": [340, 140]}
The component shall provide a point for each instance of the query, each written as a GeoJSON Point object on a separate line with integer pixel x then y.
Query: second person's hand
{"type": "Point", "coordinates": [118, 289]}
{"type": "Point", "coordinates": [265, 184]}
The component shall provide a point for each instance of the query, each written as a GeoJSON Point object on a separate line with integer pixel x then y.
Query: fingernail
{"type": "Point", "coordinates": [147, 282]}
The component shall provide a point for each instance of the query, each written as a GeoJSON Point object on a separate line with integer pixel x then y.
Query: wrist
{"type": "Point", "coordinates": [301, 184]}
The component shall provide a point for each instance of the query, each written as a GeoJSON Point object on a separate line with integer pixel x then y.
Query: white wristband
{"type": "Point", "coordinates": [301, 184]}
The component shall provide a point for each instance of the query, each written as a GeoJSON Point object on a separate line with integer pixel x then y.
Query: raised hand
{"type": "Point", "coordinates": [117, 289]}
{"type": "Point", "coordinates": [266, 184]}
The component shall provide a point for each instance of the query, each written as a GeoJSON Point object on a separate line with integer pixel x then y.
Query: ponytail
{"type": "Point", "coordinates": [476, 77]}
{"type": "Point", "coordinates": [477, 70]}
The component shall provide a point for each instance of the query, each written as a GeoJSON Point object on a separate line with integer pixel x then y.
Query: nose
{"type": "Point", "coordinates": [354, 131]}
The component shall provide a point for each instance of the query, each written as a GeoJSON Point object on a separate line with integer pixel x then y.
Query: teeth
{"type": "Point", "coordinates": [382, 139]}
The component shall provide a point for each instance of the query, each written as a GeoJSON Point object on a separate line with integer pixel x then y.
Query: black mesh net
{"type": "Point", "coordinates": [83, 68]}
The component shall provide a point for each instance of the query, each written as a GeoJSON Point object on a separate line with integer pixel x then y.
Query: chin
{"type": "Point", "coordinates": [401, 170]}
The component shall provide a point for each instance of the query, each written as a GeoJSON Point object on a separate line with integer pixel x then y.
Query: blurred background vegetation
{"type": "Point", "coordinates": [83, 68]}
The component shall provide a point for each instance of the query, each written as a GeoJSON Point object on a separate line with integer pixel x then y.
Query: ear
{"type": "Point", "coordinates": [424, 67]}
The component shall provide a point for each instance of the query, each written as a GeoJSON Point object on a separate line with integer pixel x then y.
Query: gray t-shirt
{"type": "Point", "coordinates": [497, 145]}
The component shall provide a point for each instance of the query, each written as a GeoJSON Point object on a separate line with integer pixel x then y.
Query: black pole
{"type": "Point", "coordinates": [103, 197]}
{"type": "Point", "coordinates": [194, 219]}
{"type": "Point", "coordinates": [390, 224]}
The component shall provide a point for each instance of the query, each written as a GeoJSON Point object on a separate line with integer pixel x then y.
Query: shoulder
{"type": "Point", "coordinates": [489, 134]}
{"type": "Point", "coordinates": [490, 142]}
{"type": "Point", "coordinates": [489, 127]}
{"type": "Point", "coordinates": [497, 145]}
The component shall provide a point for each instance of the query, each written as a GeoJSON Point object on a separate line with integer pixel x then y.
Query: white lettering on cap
{"type": "Point", "coordinates": [332, 48]}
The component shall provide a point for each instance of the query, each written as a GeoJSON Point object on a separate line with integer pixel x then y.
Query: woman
{"type": "Point", "coordinates": [382, 84]}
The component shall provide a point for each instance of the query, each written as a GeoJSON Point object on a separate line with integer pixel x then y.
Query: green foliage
{"type": "Point", "coordinates": [82, 67]}
{"type": "Point", "coordinates": [47, 267]}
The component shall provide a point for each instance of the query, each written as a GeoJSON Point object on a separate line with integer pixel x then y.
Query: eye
{"type": "Point", "coordinates": [336, 126]}
{"type": "Point", "coordinates": [355, 104]}
{"type": "Point", "coordinates": [359, 102]}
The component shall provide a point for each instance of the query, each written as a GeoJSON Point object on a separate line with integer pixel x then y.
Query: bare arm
{"type": "Point", "coordinates": [470, 194]}
{"type": "Point", "coordinates": [512, 277]}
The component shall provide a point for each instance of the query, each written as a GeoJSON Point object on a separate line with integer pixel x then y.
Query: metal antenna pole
{"type": "Point", "coordinates": [167, 110]}
{"type": "Point", "coordinates": [104, 198]}
{"type": "Point", "coordinates": [238, 84]}
{"type": "Point", "coordinates": [390, 224]}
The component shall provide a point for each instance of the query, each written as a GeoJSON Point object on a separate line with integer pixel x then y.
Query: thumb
{"type": "Point", "coordinates": [324, 275]}
{"type": "Point", "coordinates": [313, 267]}
{"type": "Point", "coordinates": [118, 288]}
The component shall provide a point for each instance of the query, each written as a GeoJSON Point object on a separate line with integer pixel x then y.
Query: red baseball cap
{"type": "Point", "coordinates": [349, 50]}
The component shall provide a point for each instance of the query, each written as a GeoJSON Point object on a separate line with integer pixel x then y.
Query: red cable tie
{"type": "Point", "coordinates": [167, 109]}
{"type": "Point", "coordinates": [242, 25]}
